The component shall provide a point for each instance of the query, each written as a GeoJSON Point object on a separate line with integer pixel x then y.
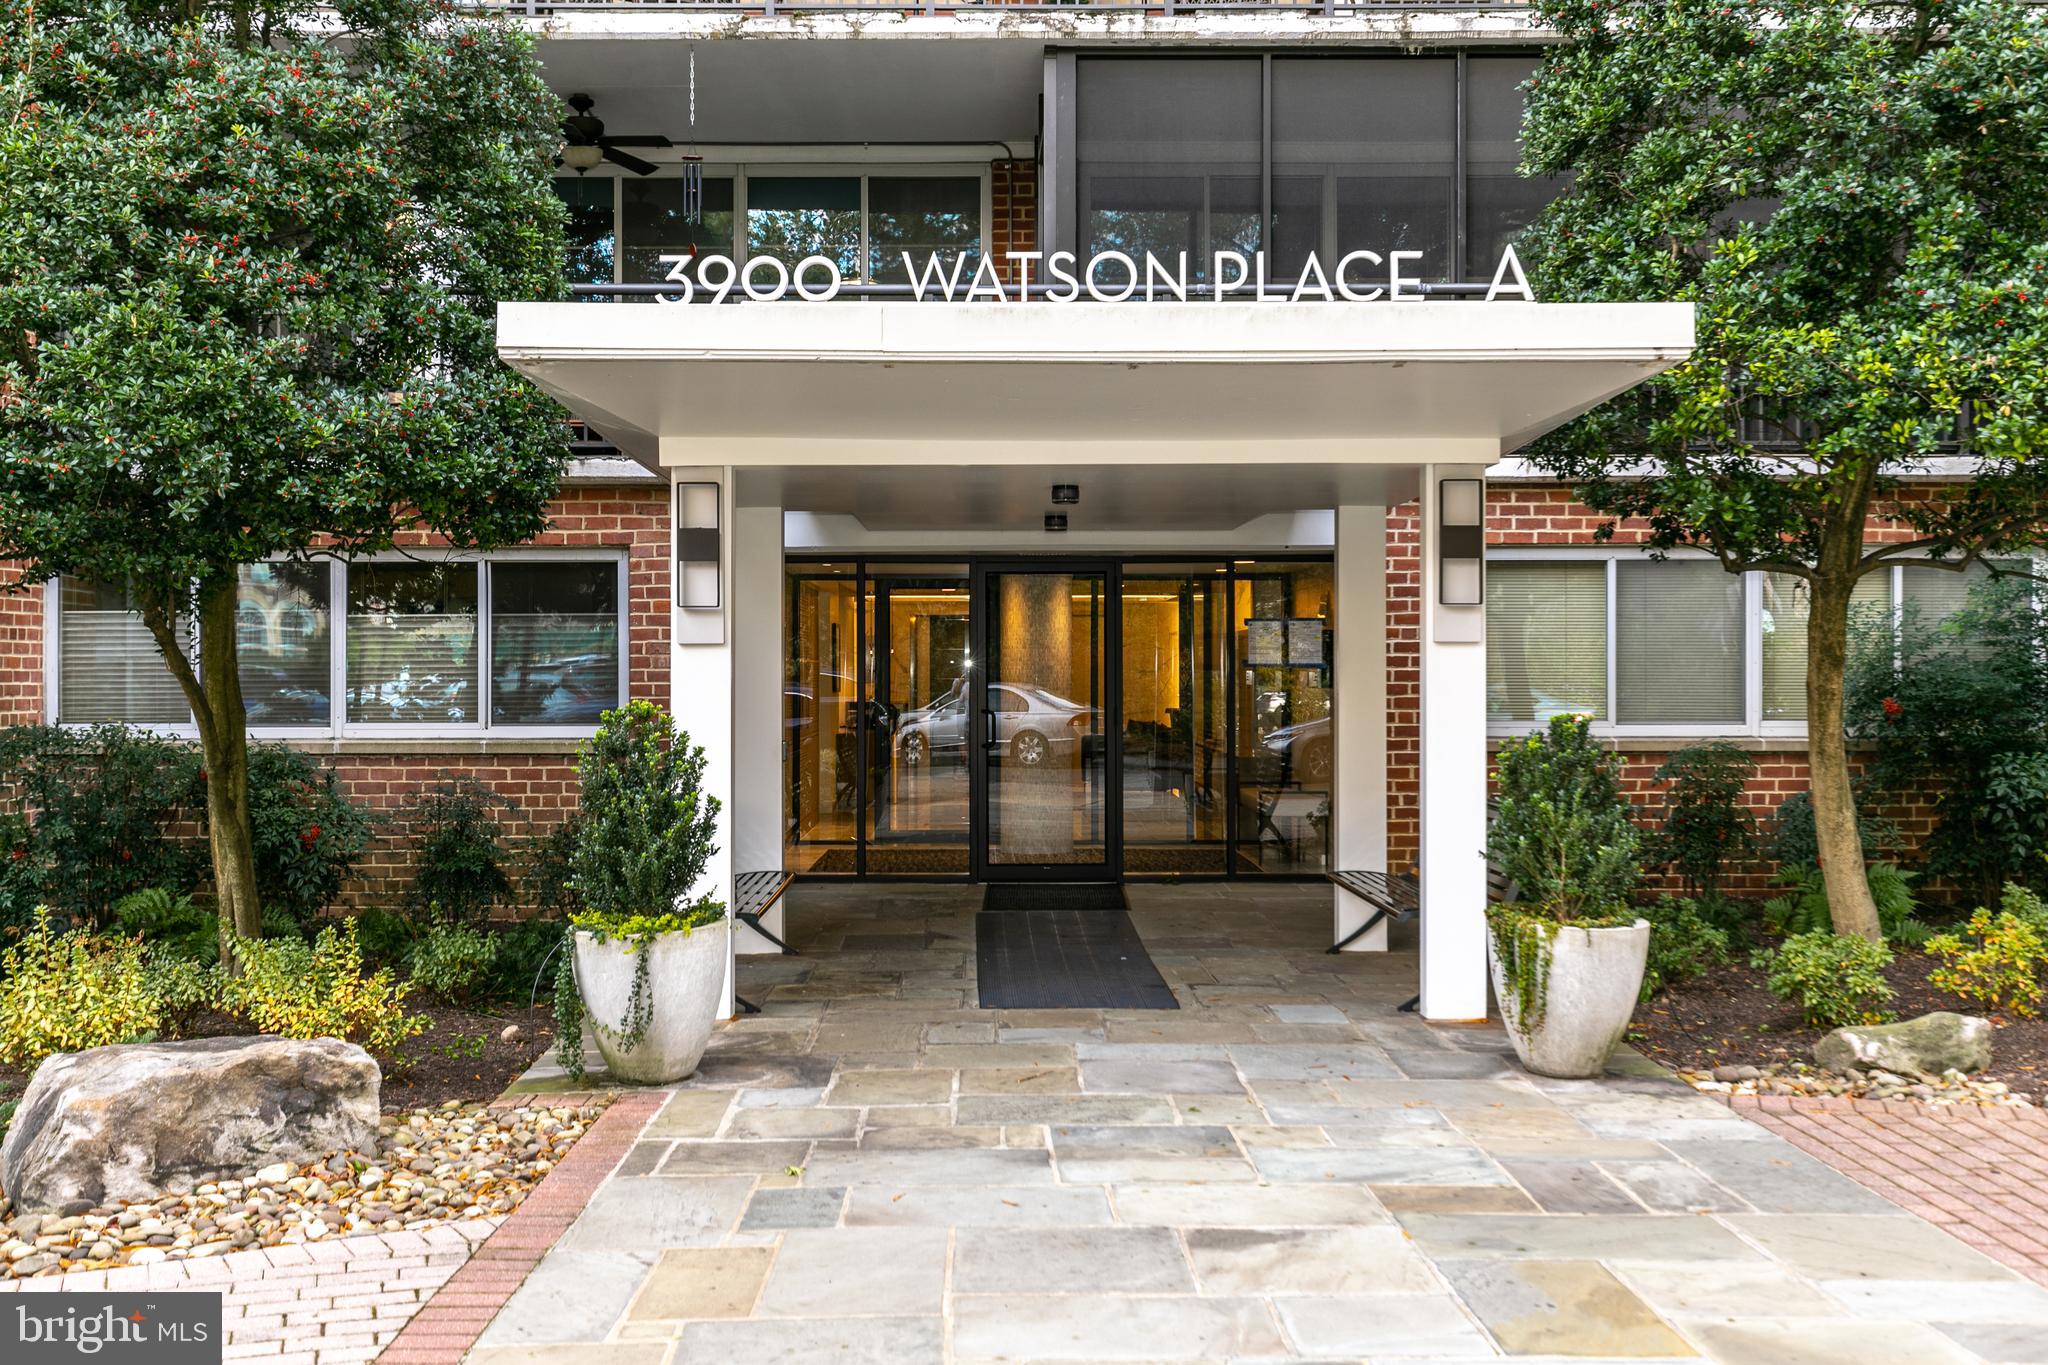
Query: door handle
{"type": "Point", "coordinates": [989, 742]}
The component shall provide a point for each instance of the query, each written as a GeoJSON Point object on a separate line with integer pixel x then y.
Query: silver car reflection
{"type": "Point", "coordinates": [1031, 726]}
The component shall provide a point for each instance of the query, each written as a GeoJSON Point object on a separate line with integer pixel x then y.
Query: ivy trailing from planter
{"type": "Point", "coordinates": [1564, 836]}
{"type": "Point", "coordinates": [643, 836]}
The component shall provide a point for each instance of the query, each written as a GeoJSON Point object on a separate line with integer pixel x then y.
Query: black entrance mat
{"type": "Point", "coordinates": [1065, 960]}
{"type": "Point", "coordinates": [1053, 896]}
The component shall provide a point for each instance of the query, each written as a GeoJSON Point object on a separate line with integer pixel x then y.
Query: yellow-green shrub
{"type": "Point", "coordinates": [71, 991]}
{"type": "Point", "coordinates": [321, 991]}
{"type": "Point", "coordinates": [1996, 960]}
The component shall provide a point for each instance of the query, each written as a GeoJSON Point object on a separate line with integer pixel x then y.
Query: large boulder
{"type": "Point", "coordinates": [137, 1120]}
{"type": "Point", "coordinates": [1926, 1046]}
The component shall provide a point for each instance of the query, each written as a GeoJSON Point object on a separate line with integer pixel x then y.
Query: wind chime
{"type": "Point", "coordinates": [693, 164]}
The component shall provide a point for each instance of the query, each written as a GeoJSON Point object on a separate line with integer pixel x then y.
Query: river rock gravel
{"type": "Point", "coordinates": [1800, 1080]}
{"type": "Point", "coordinates": [428, 1166]}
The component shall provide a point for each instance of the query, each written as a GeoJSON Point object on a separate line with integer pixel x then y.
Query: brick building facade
{"type": "Point", "coordinates": [537, 775]}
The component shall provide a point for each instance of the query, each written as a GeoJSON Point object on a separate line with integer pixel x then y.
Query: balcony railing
{"type": "Point", "coordinates": [1155, 8]}
{"type": "Point", "coordinates": [909, 293]}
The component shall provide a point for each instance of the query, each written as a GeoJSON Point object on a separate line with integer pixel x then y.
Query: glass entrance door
{"type": "Point", "coordinates": [1043, 725]}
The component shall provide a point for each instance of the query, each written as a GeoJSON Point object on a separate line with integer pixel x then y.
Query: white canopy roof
{"type": "Point", "coordinates": [905, 383]}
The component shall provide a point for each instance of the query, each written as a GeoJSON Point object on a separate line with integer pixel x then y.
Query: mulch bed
{"type": "Point", "coordinates": [461, 1056]}
{"type": "Point", "coordinates": [1728, 1017]}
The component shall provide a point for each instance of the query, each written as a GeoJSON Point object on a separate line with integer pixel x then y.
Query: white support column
{"type": "Point", "coordinates": [757, 815]}
{"type": "Point", "coordinates": [1453, 759]}
{"type": "Point", "coordinates": [702, 685]}
{"type": "Point", "coordinates": [1358, 801]}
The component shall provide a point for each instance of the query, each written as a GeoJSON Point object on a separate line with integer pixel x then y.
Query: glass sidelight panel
{"type": "Point", "coordinates": [820, 721]}
{"type": "Point", "coordinates": [918, 804]}
{"type": "Point", "coordinates": [1286, 752]}
{"type": "Point", "coordinates": [1043, 722]}
{"type": "Point", "coordinates": [1174, 737]}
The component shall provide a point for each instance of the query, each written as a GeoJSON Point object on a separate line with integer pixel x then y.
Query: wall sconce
{"type": "Point", "coordinates": [1461, 542]}
{"type": "Point", "coordinates": [697, 546]}
{"type": "Point", "coordinates": [1055, 521]}
{"type": "Point", "coordinates": [1066, 493]}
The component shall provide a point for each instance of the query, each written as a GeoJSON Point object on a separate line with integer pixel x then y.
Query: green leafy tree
{"type": "Point", "coordinates": [1854, 197]}
{"type": "Point", "coordinates": [249, 257]}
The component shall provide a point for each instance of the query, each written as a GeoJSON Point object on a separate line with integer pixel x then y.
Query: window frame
{"type": "Point", "coordinates": [1754, 725]}
{"type": "Point", "coordinates": [338, 726]}
{"type": "Point", "coordinates": [1063, 228]}
{"type": "Point", "coordinates": [863, 171]}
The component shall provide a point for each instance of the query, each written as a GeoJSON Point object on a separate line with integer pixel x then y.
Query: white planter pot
{"type": "Point", "coordinates": [1589, 995]}
{"type": "Point", "coordinates": [685, 981]}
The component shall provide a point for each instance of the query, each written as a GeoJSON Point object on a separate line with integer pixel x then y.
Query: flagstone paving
{"type": "Point", "coordinates": [1285, 1168]}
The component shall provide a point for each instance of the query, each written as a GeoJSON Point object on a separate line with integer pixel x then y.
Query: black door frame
{"type": "Point", "coordinates": [1120, 566]}
{"type": "Point", "coordinates": [982, 611]}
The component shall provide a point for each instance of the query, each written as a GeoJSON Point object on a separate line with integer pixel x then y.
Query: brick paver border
{"type": "Point", "coordinates": [1977, 1171]}
{"type": "Point", "coordinates": [444, 1329]}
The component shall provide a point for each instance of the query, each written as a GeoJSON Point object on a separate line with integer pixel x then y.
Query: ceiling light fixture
{"type": "Point", "coordinates": [582, 156]}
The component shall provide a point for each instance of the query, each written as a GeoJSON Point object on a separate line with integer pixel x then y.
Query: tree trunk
{"type": "Point", "coordinates": [1839, 841]}
{"type": "Point", "coordinates": [214, 692]}
{"type": "Point", "coordinates": [224, 741]}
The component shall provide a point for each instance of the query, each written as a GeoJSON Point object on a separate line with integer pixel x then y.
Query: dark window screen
{"type": "Point", "coordinates": [1364, 159]}
{"type": "Point", "coordinates": [1167, 159]}
{"type": "Point", "coordinates": [1498, 202]}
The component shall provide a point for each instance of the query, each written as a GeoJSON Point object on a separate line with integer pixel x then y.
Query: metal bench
{"type": "Point", "coordinates": [753, 893]}
{"type": "Point", "coordinates": [1398, 897]}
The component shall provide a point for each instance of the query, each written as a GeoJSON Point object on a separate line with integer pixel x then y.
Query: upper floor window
{"type": "Point", "coordinates": [448, 645]}
{"type": "Point", "coordinates": [1298, 155]}
{"type": "Point", "coordinates": [1167, 158]}
{"type": "Point", "coordinates": [621, 226]}
{"type": "Point", "coordinates": [1678, 646]}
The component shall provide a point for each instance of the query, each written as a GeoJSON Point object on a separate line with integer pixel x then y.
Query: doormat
{"type": "Point", "coordinates": [1065, 960]}
{"type": "Point", "coordinates": [1053, 896]}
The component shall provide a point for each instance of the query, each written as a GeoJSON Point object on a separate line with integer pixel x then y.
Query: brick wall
{"type": "Point", "coordinates": [1013, 213]}
{"type": "Point", "coordinates": [21, 649]}
{"type": "Point", "coordinates": [1523, 514]}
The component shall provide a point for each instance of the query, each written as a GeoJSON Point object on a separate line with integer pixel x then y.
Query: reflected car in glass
{"type": "Point", "coordinates": [1304, 749]}
{"type": "Point", "coordinates": [1030, 724]}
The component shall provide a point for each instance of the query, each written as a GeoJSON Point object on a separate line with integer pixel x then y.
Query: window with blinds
{"type": "Point", "coordinates": [1546, 639]}
{"type": "Point", "coordinates": [1934, 595]}
{"type": "Point", "coordinates": [108, 667]}
{"type": "Point", "coordinates": [1678, 643]}
{"type": "Point", "coordinates": [412, 644]}
{"type": "Point", "coordinates": [554, 642]}
{"type": "Point", "coordinates": [1786, 603]}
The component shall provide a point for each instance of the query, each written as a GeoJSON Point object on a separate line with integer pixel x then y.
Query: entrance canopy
{"type": "Point", "coordinates": [909, 383]}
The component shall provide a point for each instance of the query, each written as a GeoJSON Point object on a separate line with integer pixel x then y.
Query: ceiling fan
{"type": "Point", "coordinates": [584, 143]}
